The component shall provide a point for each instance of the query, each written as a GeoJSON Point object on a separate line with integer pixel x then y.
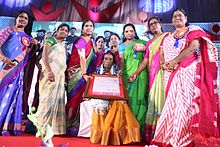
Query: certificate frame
{"type": "Point", "coordinates": [89, 93]}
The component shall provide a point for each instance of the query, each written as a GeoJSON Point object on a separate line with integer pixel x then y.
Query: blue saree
{"type": "Point", "coordinates": [14, 46]}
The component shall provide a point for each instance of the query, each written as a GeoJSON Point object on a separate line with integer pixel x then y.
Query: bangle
{"type": "Point", "coordinates": [83, 76]}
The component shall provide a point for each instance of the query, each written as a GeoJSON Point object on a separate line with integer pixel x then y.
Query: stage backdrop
{"type": "Point", "coordinates": [116, 11]}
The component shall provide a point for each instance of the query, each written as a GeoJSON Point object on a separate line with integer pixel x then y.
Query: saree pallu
{"type": "Point", "coordinates": [156, 96]}
{"type": "Point", "coordinates": [11, 83]}
{"type": "Point", "coordinates": [76, 83]}
{"type": "Point", "coordinates": [205, 120]}
{"type": "Point", "coordinates": [137, 90]}
{"type": "Point", "coordinates": [51, 109]}
{"type": "Point", "coordinates": [187, 114]}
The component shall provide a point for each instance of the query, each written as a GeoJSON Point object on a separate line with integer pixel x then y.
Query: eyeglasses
{"type": "Point", "coordinates": [150, 24]}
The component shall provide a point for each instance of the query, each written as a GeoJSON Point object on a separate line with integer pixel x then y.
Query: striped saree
{"type": "Point", "coordinates": [191, 109]}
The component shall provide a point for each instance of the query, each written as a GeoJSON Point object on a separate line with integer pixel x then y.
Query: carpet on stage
{"type": "Point", "coordinates": [32, 141]}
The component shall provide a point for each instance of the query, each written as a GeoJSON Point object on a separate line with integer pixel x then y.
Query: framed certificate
{"type": "Point", "coordinates": [106, 87]}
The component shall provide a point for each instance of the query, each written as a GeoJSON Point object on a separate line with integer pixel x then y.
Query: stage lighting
{"type": "Point", "coordinates": [13, 3]}
{"type": "Point", "coordinates": [156, 6]}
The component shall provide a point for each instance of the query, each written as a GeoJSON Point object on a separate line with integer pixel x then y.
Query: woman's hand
{"type": "Point", "coordinates": [34, 41]}
{"type": "Point", "coordinates": [50, 76]}
{"type": "Point", "coordinates": [163, 66]}
{"type": "Point", "coordinates": [132, 77]}
{"type": "Point", "coordinates": [170, 65]}
{"type": "Point", "coordinates": [8, 62]}
{"type": "Point", "coordinates": [86, 77]}
{"type": "Point", "coordinates": [119, 73]}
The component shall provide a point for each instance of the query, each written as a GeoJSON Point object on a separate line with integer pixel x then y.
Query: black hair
{"type": "Point", "coordinates": [27, 28]}
{"type": "Point", "coordinates": [73, 28]}
{"type": "Point", "coordinates": [109, 52]}
{"type": "Point", "coordinates": [97, 38]}
{"type": "Point", "coordinates": [20, 12]}
{"type": "Point", "coordinates": [107, 31]}
{"type": "Point", "coordinates": [64, 25]}
{"type": "Point", "coordinates": [115, 34]}
{"type": "Point", "coordinates": [158, 19]}
{"type": "Point", "coordinates": [41, 30]}
{"type": "Point", "coordinates": [184, 13]}
{"type": "Point", "coordinates": [85, 21]}
{"type": "Point", "coordinates": [154, 17]}
{"type": "Point", "coordinates": [131, 25]}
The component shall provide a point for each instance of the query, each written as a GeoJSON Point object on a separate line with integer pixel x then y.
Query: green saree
{"type": "Point", "coordinates": [137, 90]}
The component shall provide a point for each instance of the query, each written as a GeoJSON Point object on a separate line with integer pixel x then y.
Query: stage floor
{"type": "Point", "coordinates": [32, 141]}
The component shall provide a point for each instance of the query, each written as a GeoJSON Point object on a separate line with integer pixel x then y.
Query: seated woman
{"type": "Point", "coordinates": [112, 121]}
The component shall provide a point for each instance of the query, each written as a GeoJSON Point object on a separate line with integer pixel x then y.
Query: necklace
{"type": "Point", "coordinates": [181, 33]}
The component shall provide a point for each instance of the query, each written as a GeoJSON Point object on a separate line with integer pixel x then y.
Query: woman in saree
{"type": "Point", "coordinates": [113, 123]}
{"type": "Point", "coordinates": [50, 118]}
{"type": "Point", "coordinates": [114, 41]}
{"type": "Point", "coordinates": [14, 49]}
{"type": "Point", "coordinates": [51, 109]}
{"type": "Point", "coordinates": [152, 61]}
{"type": "Point", "coordinates": [99, 50]}
{"type": "Point", "coordinates": [191, 110]}
{"type": "Point", "coordinates": [131, 53]}
{"type": "Point", "coordinates": [80, 65]}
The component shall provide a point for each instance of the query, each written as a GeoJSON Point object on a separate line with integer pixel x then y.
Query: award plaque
{"type": "Point", "coordinates": [106, 87]}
